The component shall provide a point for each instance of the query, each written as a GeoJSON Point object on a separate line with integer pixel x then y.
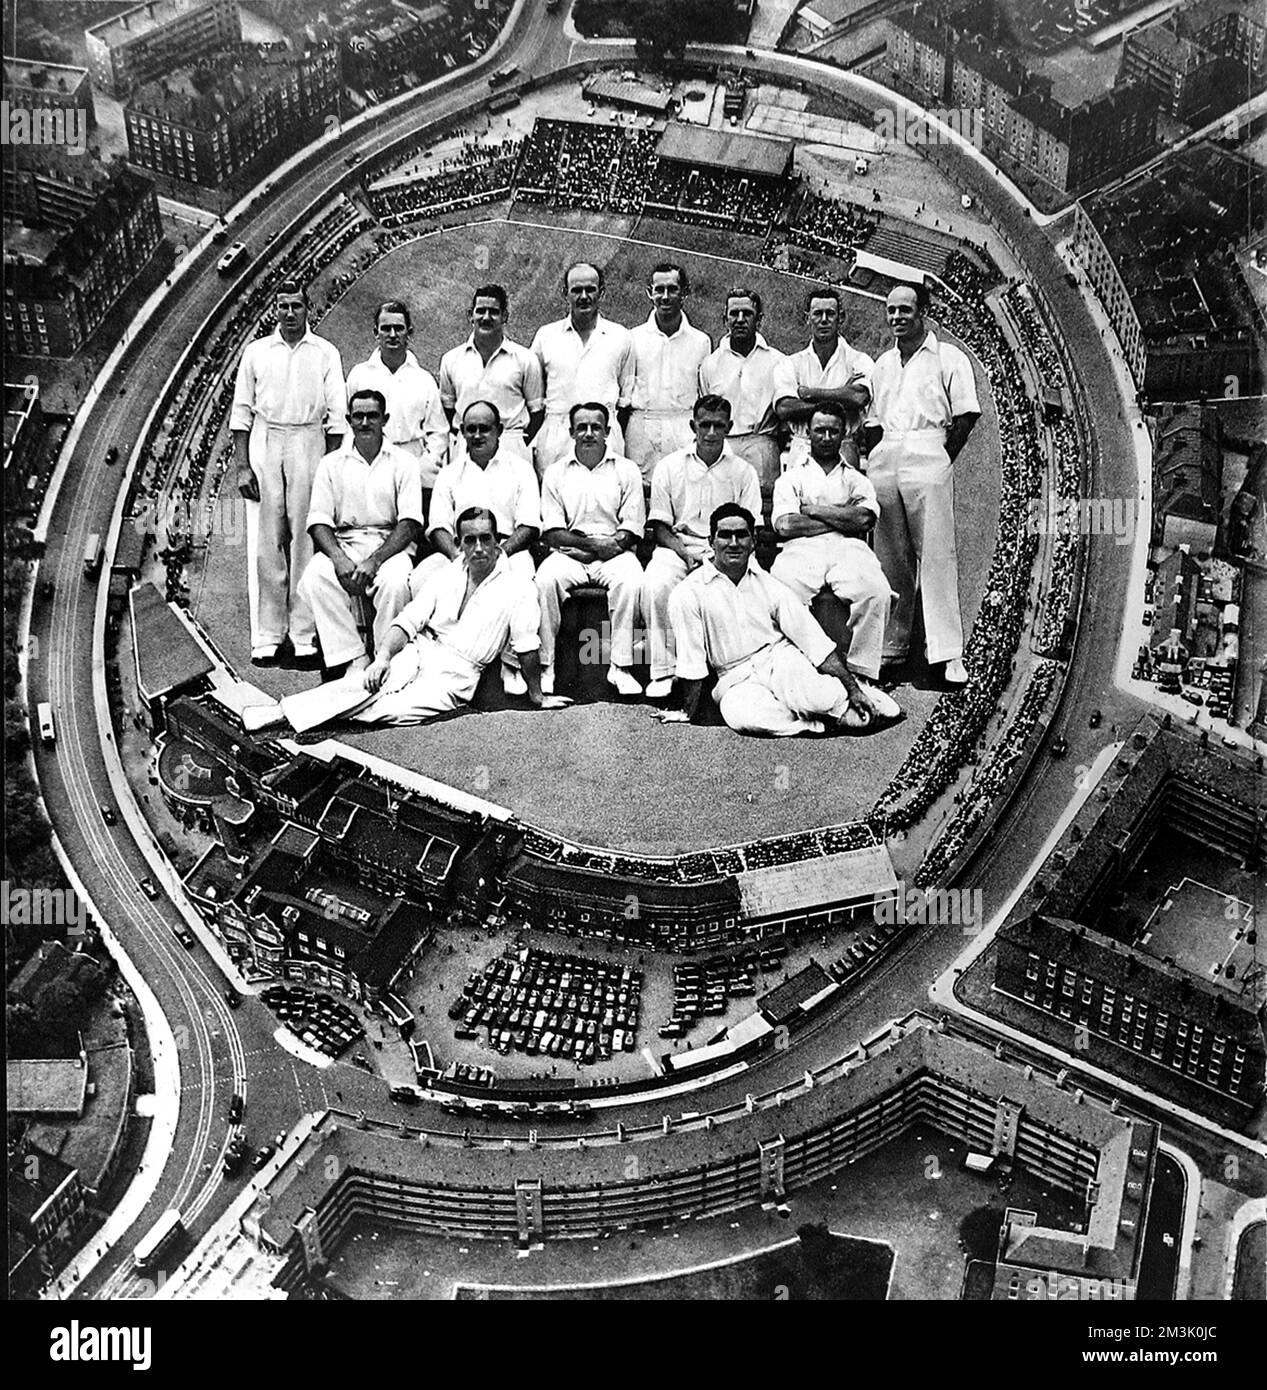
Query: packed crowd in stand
{"type": "Point", "coordinates": [1037, 341]}
{"type": "Point", "coordinates": [831, 225]}
{"type": "Point", "coordinates": [598, 167]}
{"type": "Point", "coordinates": [480, 173]}
{"type": "Point", "coordinates": [1062, 587]}
{"type": "Point", "coordinates": [989, 784]}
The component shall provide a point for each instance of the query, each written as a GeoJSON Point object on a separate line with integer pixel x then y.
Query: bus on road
{"type": "Point", "coordinates": [92, 556]}
{"type": "Point", "coordinates": [44, 714]}
{"type": "Point", "coordinates": [504, 75]}
{"type": "Point", "coordinates": [166, 1233]}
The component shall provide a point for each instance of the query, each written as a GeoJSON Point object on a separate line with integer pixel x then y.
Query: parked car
{"type": "Point", "coordinates": [148, 887]}
{"type": "Point", "coordinates": [262, 1156]}
{"type": "Point", "coordinates": [237, 1108]}
{"type": "Point", "coordinates": [235, 1155]}
{"type": "Point", "coordinates": [1096, 719]}
{"type": "Point", "coordinates": [108, 815]}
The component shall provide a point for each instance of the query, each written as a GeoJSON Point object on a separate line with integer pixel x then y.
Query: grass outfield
{"type": "Point", "coordinates": [436, 275]}
{"type": "Point", "coordinates": [835, 1269]}
{"type": "Point", "coordinates": [606, 774]}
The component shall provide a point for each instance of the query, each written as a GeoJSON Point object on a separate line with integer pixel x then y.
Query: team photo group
{"type": "Point", "coordinates": [404, 532]}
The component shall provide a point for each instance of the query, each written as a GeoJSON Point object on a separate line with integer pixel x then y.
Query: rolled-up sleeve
{"type": "Point", "coordinates": [553, 517]}
{"type": "Point", "coordinates": [632, 515]}
{"type": "Point", "coordinates": [862, 492]}
{"type": "Point", "coordinates": [785, 383]}
{"type": "Point", "coordinates": [661, 502]}
{"type": "Point", "coordinates": [625, 369]}
{"type": "Point", "coordinates": [527, 496]}
{"type": "Point", "coordinates": [525, 617]}
{"type": "Point", "coordinates": [961, 385]}
{"type": "Point", "coordinates": [435, 430]}
{"type": "Point", "coordinates": [408, 491]}
{"type": "Point", "coordinates": [750, 497]}
{"type": "Point", "coordinates": [865, 364]}
{"type": "Point", "coordinates": [416, 614]}
{"type": "Point", "coordinates": [321, 505]}
{"type": "Point", "coordinates": [448, 391]}
{"type": "Point", "coordinates": [534, 386]}
{"type": "Point", "coordinates": [798, 624]}
{"type": "Point", "coordinates": [441, 517]}
{"type": "Point", "coordinates": [787, 501]}
{"type": "Point", "coordinates": [242, 414]}
{"type": "Point", "coordinates": [687, 616]}
{"type": "Point", "coordinates": [336, 419]}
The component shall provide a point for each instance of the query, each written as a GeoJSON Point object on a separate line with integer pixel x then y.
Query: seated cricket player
{"type": "Point", "coordinates": [778, 672]}
{"type": "Point", "coordinates": [437, 647]}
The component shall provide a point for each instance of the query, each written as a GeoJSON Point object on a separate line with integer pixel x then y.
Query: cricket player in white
{"type": "Point", "coordinates": [828, 371]}
{"type": "Point", "coordinates": [686, 489]}
{"type": "Point", "coordinates": [288, 410]}
{"type": "Point", "coordinates": [364, 520]}
{"type": "Point", "coordinates": [592, 517]}
{"type": "Point", "coordinates": [584, 357]}
{"type": "Point", "coordinates": [435, 651]}
{"type": "Point", "coordinates": [923, 409]}
{"type": "Point", "coordinates": [824, 510]}
{"type": "Point", "coordinates": [778, 672]}
{"type": "Point", "coordinates": [415, 420]}
{"type": "Point", "coordinates": [490, 367]}
{"type": "Point", "coordinates": [742, 369]}
{"type": "Point", "coordinates": [668, 353]}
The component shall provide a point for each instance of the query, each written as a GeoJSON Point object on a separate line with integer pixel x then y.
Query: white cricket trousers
{"type": "Point", "coordinates": [621, 577]}
{"type": "Point", "coordinates": [665, 571]}
{"type": "Point", "coordinates": [278, 547]}
{"type": "Point", "coordinates": [654, 433]}
{"type": "Point", "coordinates": [332, 605]}
{"type": "Point", "coordinates": [848, 567]}
{"type": "Point", "coordinates": [778, 692]}
{"type": "Point", "coordinates": [914, 483]}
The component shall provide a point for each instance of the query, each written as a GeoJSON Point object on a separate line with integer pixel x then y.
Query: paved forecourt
{"type": "Point", "coordinates": [607, 774]}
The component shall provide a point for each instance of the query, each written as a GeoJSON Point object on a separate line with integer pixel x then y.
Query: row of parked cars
{"type": "Point", "coordinates": [862, 951]}
{"type": "Point", "coordinates": [702, 988]}
{"type": "Point", "coordinates": [321, 1022]}
{"type": "Point", "coordinates": [554, 1005]}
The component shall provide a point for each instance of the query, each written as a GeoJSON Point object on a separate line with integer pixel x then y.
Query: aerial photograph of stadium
{"type": "Point", "coordinates": [635, 660]}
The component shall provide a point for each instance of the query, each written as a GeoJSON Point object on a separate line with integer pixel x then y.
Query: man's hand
{"type": "Point", "coordinates": [345, 573]}
{"type": "Point", "coordinates": [552, 702]}
{"type": "Point", "coordinates": [582, 557]}
{"type": "Point", "coordinates": [364, 574]}
{"type": "Point", "coordinates": [605, 548]}
{"type": "Point", "coordinates": [376, 673]}
{"type": "Point", "coordinates": [248, 484]}
{"type": "Point", "coordinates": [670, 716]}
{"type": "Point", "coordinates": [859, 702]}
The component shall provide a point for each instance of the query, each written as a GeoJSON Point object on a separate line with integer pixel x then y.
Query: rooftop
{"type": "Point", "coordinates": [168, 655]}
{"type": "Point", "coordinates": [726, 149]}
{"type": "Point", "coordinates": [145, 18]}
{"type": "Point", "coordinates": [56, 1086]}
